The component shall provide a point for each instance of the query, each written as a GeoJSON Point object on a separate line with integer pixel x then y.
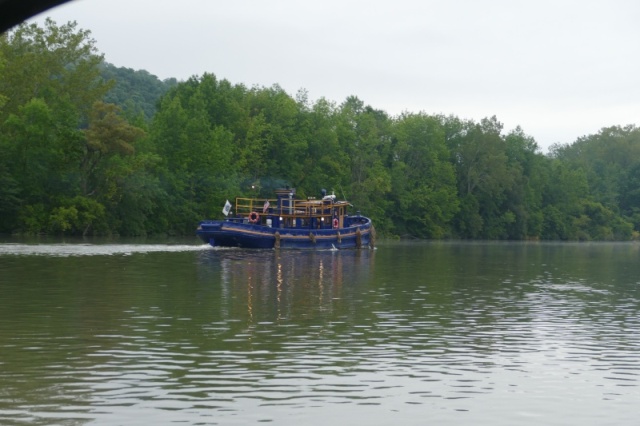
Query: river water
{"type": "Point", "coordinates": [411, 333]}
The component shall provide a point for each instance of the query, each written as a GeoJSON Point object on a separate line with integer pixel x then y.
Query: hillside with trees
{"type": "Point", "coordinates": [136, 92]}
{"type": "Point", "coordinates": [87, 148]}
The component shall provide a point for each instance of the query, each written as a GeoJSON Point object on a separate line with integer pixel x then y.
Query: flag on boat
{"type": "Point", "coordinates": [227, 208]}
{"type": "Point", "coordinates": [266, 206]}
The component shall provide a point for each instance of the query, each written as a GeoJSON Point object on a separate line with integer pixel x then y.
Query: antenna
{"type": "Point", "coordinates": [342, 190]}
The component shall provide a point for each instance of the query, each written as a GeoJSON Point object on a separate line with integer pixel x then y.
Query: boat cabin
{"type": "Point", "coordinates": [288, 212]}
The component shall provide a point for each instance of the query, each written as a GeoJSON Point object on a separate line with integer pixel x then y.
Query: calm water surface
{"type": "Point", "coordinates": [411, 334]}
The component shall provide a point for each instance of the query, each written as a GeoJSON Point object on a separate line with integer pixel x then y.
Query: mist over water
{"type": "Point", "coordinates": [411, 333]}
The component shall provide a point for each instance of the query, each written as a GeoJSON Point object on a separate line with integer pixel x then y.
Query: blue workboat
{"type": "Point", "coordinates": [289, 223]}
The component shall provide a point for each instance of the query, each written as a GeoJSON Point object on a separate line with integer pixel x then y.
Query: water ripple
{"type": "Point", "coordinates": [241, 337]}
{"type": "Point", "coordinates": [66, 250]}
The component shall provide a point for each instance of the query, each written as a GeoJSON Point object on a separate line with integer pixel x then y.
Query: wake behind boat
{"type": "Point", "coordinates": [288, 223]}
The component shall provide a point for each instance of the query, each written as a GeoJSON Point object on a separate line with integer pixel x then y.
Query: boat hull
{"type": "Point", "coordinates": [224, 233]}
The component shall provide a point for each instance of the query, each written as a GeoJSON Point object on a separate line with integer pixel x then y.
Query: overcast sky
{"type": "Point", "coordinates": [560, 69]}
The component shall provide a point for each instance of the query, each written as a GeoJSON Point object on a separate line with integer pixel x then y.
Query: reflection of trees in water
{"type": "Point", "coordinates": [277, 285]}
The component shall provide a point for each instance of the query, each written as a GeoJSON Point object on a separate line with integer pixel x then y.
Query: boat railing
{"type": "Point", "coordinates": [289, 208]}
{"type": "Point", "coordinates": [245, 206]}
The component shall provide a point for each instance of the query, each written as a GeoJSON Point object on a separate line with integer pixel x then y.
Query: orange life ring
{"type": "Point", "coordinates": [335, 223]}
{"type": "Point", "coordinates": [254, 217]}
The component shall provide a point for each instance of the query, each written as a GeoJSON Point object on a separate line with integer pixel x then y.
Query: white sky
{"type": "Point", "coordinates": [560, 69]}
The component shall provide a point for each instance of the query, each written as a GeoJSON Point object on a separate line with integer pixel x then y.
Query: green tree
{"type": "Point", "coordinates": [196, 157]}
{"type": "Point", "coordinates": [62, 63]}
{"type": "Point", "coordinates": [423, 179]}
{"type": "Point", "coordinates": [41, 116]}
{"type": "Point", "coordinates": [365, 136]}
{"type": "Point", "coordinates": [135, 92]}
{"type": "Point", "coordinates": [109, 135]}
{"type": "Point", "coordinates": [479, 154]}
{"type": "Point", "coordinates": [562, 198]}
{"type": "Point", "coordinates": [606, 161]}
{"type": "Point", "coordinates": [325, 162]}
{"type": "Point", "coordinates": [630, 196]}
{"type": "Point", "coordinates": [524, 199]}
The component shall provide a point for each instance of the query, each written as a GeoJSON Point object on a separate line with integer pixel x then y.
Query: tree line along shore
{"type": "Point", "coordinates": [87, 148]}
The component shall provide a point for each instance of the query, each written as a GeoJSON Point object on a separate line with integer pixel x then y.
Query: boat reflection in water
{"type": "Point", "coordinates": [275, 285]}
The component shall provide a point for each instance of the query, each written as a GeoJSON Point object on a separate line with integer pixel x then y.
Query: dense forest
{"type": "Point", "coordinates": [87, 148]}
